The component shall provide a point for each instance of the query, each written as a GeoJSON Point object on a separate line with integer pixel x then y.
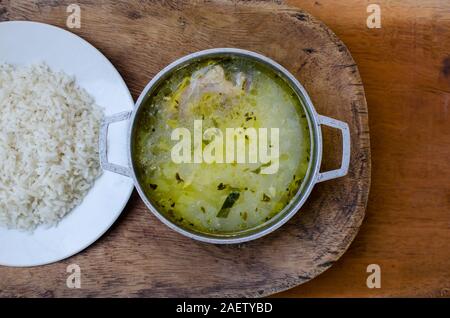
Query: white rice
{"type": "Point", "coordinates": [48, 145]}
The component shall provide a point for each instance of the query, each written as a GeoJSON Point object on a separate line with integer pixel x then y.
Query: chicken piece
{"type": "Point", "coordinates": [210, 79]}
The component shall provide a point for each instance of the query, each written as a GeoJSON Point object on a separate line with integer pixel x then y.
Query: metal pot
{"type": "Point", "coordinates": [313, 174]}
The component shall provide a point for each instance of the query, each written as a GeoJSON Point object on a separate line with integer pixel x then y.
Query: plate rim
{"type": "Point", "coordinates": [130, 191]}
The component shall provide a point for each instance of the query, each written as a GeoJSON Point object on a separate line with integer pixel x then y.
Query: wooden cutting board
{"type": "Point", "coordinates": [139, 256]}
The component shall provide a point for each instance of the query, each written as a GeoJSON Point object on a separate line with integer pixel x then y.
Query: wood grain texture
{"type": "Point", "coordinates": [141, 257]}
{"type": "Point", "coordinates": [405, 68]}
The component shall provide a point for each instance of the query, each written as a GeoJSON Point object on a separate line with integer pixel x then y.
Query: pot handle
{"type": "Point", "coordinates": [343, 127]}
{"type": "Point", "coordinates": [103, 144]}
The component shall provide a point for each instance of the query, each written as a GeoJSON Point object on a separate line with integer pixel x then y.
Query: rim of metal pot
{"type": "Point", "coordinates": [315, 153]}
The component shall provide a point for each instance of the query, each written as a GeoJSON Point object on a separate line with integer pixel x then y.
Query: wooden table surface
{"type": "Point", "coordinates": [405, 68]}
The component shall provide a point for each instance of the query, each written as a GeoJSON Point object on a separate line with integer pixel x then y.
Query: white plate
{"type": "Point", "coordinates": [24, 43]}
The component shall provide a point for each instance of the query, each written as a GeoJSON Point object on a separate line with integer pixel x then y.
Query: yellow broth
{"type": "Point", "coordinates": [220, 197]}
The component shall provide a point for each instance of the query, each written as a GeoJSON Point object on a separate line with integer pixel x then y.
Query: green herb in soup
{"type": "Point", "coordinates": [220, 196]}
